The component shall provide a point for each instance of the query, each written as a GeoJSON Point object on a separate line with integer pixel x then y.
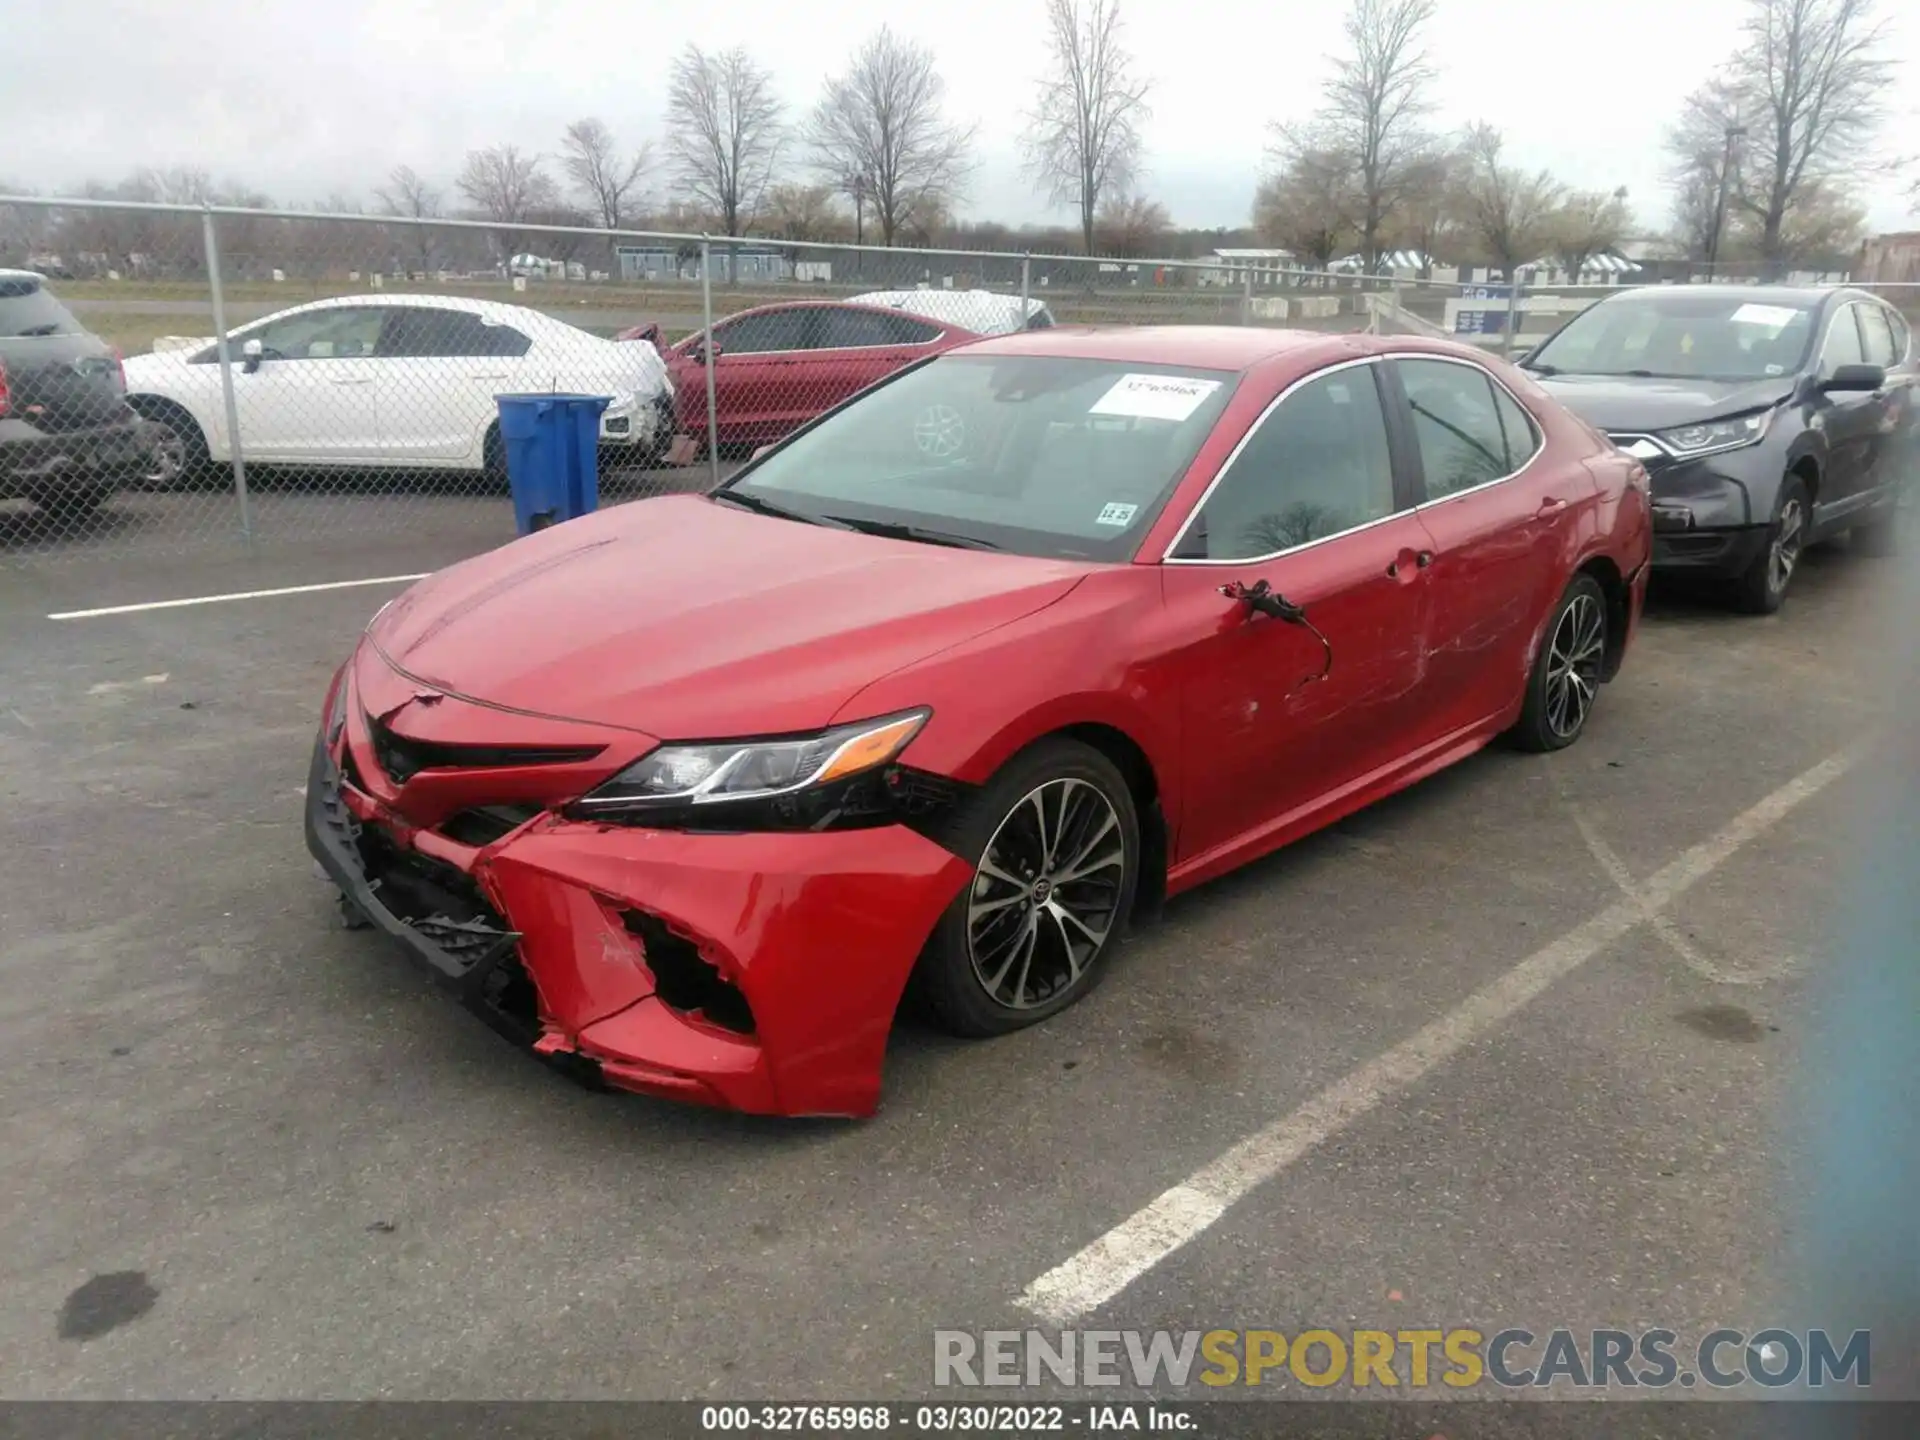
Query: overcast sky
{"type": "Point", "coordinates": [304, 99]}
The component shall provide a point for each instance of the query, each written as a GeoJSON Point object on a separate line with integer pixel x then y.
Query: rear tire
{"type": "Point", "coordinates": [1565, 681]}
{"type": "Point", "coordinates": [1055, 842]}
{"type": "Point", "coordinates": [1762, 588]}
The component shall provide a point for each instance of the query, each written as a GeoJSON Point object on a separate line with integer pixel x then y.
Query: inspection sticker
{"type": "Point", "coordinates": [1776, 317]}
{"type": "Point", "coordinates": [1116, 514]}
{"type": "Point", "coordinates": [1155, 397]}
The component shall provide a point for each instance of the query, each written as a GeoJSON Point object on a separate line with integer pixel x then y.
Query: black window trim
{"type": "Point", "coordinates": [1426, 501]}
{"type": "Point", "coordinates": [1401, 495]}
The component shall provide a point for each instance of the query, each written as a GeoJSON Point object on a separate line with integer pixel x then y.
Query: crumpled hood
{"type": "Point", "coordinates": [1636, 405]}
{"type": "Point", "coordinates": [686, 619]}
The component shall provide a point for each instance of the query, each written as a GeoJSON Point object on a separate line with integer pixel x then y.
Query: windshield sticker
{"type": "Point", "coordinates": [1155, 397]}
{"type": "Point", "coordinates": [1774, 317]}
{"type": "Point", "coordinates": [1117, 514]}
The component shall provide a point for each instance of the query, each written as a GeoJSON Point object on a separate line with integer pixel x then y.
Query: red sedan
{"type": "Point", "coordinates": [945, 689]}
{"type": "Point", "coordinates": [778, 366]}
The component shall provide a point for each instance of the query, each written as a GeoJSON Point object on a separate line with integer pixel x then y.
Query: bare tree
{"type": "Point", "coordinates": [726, 133]}
{"type": "Point", "coordinates": [1083, 138]}
{"type": "Point", "coordinates": [1810, 82]}
{"type": "Point", "coordinates": [507, 186]}
{"type": "Point", "coordinates": [1507, 210]}
{"type": "Point", "coordinates": [880, 127]}
{"type": "Point", "coordinates": [1130, 226]}
{"type": "Point", "coordinates": [607, 182]}
{"type": "Point", "coordinates": [1373, 109]}
{"type": "Point", "coordinates": [1705, 149]}
{"type": "Point", "coordinates": [1588, 223]}
{"type": "Point", "coordinates": [1428, 219]}
{"type": "Point", "coordinates": [1310, 203]}
{"type": "Point", "coordinates": [408, 195]}
{"type": "Point", "coordinates": [805, 212]}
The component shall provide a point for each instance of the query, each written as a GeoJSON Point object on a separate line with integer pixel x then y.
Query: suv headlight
{"type": "Point", "coordinates": [705, 778]}
{"type": "Point", "coordinates": [1690, 441]}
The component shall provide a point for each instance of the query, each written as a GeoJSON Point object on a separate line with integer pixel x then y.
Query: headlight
{"type": "Point", "coordinates": [1689, 441]}
{"type": "Point", "coordinates": [682, 777]}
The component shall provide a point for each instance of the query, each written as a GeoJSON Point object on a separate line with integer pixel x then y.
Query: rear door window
{"type": "Point", "coordinates": [28, 308]}
{"type": "Point", "coordinates": [422, 331]}
{"type": "Point", "coordinates": [1462, 435]}
{"type": "Point", "coordinates": [847, 329]}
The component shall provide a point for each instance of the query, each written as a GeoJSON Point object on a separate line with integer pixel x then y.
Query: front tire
{"type": "Point", "coordinates": [1055, 841]}
{"type": "Point", "coordinates": [178, 457]}
{"type": "Point", "coordinates": [1761, 588]}
{"type": "Point", "coordinates": [1565, 680]}
{"type": "Point", "coordinates": [493, 461]}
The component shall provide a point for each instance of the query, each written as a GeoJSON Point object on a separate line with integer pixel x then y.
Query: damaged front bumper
{"type": "Point", "coordinates": [758, 972]}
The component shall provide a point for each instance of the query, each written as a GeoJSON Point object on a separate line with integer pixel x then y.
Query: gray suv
{"type": "Point", "coordinates": [67, 437]}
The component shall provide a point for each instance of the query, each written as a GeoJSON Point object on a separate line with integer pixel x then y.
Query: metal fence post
{"type": "Point", "coordinates": [1246, 295]}
{"type": "Point", "coordinates": [1026, 286]}
{"type": "Point", "coordinates": [1513, 310]}
{"type": "Point", "coordinates": [706, 354]}
{"type": "Point", "coordinates": [212, 246]}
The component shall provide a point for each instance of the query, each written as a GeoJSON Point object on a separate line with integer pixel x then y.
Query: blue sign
{"type": "Point", "coordinates": [1490, 321]}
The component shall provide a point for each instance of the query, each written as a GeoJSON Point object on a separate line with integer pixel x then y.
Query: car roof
{"type": "Point", "coordinates": [1797, 295]}
{"type": "Point", "coordinates": [516, 315]}
{"type": "Point", "coordinates": [1210, 347]}
{"type": "Point", "coordinates": [6, 274]}
{"type": "Point", "coordinates": [964, 308]}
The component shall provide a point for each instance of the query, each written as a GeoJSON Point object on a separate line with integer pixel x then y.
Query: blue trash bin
{"type": "Point", "coordinates": [553, 455]}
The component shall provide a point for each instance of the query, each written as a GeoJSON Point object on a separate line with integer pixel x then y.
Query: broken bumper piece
{"type": "Point", "coordinates": [756, 972]}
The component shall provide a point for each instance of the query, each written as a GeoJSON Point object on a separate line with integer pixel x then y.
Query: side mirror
{"type": "Point", "coordinates": [1851, 379]}
{"type": "Point", "coordinates": [251, 353]}
{"type": "Point", "coordinates": [705, 350]}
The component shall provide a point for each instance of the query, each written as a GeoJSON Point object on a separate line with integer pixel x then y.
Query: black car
{"type": "Point", "coordinates": [68, 439]}
{"type": "Point", "coordinates": [1767, 417]}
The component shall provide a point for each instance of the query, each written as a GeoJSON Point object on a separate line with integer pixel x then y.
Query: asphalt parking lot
{"type": "Point", "coordinates": [314, 1177]}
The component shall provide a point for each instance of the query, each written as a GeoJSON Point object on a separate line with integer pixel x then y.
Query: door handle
{"type": "Point", "coordinates": [1550, 507]}
{"type": "Point", "coordinates": [1420, 560]}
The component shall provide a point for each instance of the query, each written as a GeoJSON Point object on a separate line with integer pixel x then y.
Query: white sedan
{"type": "Point", "coordinates": [390, 380]}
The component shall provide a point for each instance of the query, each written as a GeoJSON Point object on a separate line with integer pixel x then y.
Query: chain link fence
{"type": "Point", "coordinates": [179, 377]}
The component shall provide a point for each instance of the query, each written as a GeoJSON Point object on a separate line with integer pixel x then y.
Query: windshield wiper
{"type": "Point", "coordinates": [761, 506]}
{"type": "Point", "coordinates": [896, 530]}
{"type": "Point", "coordinates": [1538, 367]}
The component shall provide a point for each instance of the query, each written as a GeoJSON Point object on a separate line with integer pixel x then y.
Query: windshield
{"type": "Point", "coordinates": [27, 309]}
{"type": "Point", "coordinates": [1036, 454]}
{"type": "Point", "coordinates": [1679, 336]}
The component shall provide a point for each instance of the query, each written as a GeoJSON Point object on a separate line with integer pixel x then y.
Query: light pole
{"type": "Point", "coordinates": [1735, 134]}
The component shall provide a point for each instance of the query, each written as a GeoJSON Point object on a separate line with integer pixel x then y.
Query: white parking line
{"type": "Point", "coordinates": [1148, 1236]}
{"type": "Point", "coordinates": [236, 595]}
